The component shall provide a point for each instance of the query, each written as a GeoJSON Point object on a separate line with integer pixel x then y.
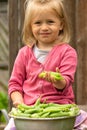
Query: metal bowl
{"type": "Point", "coordinates": [60, 123]}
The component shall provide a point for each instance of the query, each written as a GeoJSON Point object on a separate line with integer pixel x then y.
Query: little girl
{"type": "Point", "coordinates": [46, 35]}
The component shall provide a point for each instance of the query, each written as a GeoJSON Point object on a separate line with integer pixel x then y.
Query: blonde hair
{"type": "Point", "coordinates": [32, 6]}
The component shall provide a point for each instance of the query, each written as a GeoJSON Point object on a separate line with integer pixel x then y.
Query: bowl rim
{"type": "Point", "coordinates": [54, 118]}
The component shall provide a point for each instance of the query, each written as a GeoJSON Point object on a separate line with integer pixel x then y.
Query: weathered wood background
{"type": "Point", "coordinates": [4, 47]}
{"type": "Point", "coordinates": [77, 10]}
{"type": "Point", "coordinates": [81, 46]}
{"type": "Point", "coordinates": [77, 13]}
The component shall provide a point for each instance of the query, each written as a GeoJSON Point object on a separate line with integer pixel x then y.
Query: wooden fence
{"type": "Point", "coordinates": [16, 16]}
{"type": "Point", "coordinates": [4, 45]}
{"type": "Point", "coordinates": [76, 10]}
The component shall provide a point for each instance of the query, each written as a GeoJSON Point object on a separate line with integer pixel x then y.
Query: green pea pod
{"type": "Point", "coordinates": [56, 75]}
{"type": "Point", "coordinates": [45, 115]}
{"type": "Point", "coordinates": [24, 107]}
{"type": "Point", "coordinates": [43, 110]}
{"type": "Point", "coordinates": [42, 74]}
{"type": "Point", "coordinates": [31, 111]}
{"type": "Point", "coordinates": [43, 105]}
{"type": "Point", "coordinates": [23, 115]}
{"type": "Point", "coordinates": [59, 114]}
{"type": "Point", "coordinates": [37, 102]}
{"type": "Point", "coordinates": [55, 109]}
{"type": "Point", "coordinates": [35, 115]}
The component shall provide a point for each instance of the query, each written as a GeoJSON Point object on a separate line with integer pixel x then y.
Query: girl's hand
{"type": "Point", "coordinates": [54, 77]}
{"type": "Point", "coordinates": [16, 98]}
{"type": "Point", "coordinates": [51, 76]}
{"type": "Point", "coordinates": [16, 103]}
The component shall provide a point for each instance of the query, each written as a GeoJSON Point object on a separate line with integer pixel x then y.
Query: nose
{"type": "Point", "coordinates": [44, 26]}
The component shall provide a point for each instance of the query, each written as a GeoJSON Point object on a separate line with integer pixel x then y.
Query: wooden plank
{"type": "Point", "coordinates": [83, 107]}
{"type": "Point", "coordinates": [21, 14]}
{"type": "Point", "coordinates": [70, 6]}
{"type": "Point", "coordinates": [15, 24]}
{"type": "Point", "coordinates": [3, 65]}
{"type": "Point", "coordinates": [13, 32]}
{"type": "Point", "coordinates": [21, 20]}
{"type": "Point", "coordinates": [81, 44]}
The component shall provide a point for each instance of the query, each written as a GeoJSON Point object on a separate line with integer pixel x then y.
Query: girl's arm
{"type": "Point", "coordinates": [60, 84]}
{"type": "Point", "coordinates": [16, 98]}
{"type": "Point", "coordinates": [17, 79]}
{"type": "Point", "coordinates": [67, 69]}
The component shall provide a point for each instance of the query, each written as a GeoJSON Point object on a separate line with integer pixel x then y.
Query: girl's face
{"type": "Point", "coordinates": [45, 28]}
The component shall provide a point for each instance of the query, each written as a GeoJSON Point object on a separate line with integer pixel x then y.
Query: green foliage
{"type": "Point", "coordinates": [3, 104]}
{"type": "Point", "coordinates": [2, 119]}
{"type": "Point", "coordinates": [3, 101]}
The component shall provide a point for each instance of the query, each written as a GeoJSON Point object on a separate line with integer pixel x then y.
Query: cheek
{"type": "Point", "coordinates": [33, 31]}
{"type": "Point", "coordinates": [56, 31]}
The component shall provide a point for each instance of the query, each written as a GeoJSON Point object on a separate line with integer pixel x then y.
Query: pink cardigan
{"type": "Point", "coordinates": [24, 77]}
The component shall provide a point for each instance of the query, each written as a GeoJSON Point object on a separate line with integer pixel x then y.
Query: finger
{"type": "Point", "coordinates": [48, 77]}
{"type": "Point", "coordinates": [57, 70]}
{"type": "Point", "coordinates": [53, 80]}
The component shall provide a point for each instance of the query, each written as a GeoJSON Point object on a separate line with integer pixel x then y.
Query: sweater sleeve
{"type": "Point", "coordinates": [18, 74]}
{"type": "Point", "coordinates": [68, 65]}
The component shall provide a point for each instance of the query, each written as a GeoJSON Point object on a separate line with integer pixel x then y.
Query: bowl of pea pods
{"type": "Point", "coordinates": [45, 116]}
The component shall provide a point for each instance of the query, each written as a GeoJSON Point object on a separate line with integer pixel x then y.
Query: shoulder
{"type": "Point", "coordinates": [66, 48]}
{"type": "Point", "coordinates": [65, 51]}
{"type": "Point", "coordinates": [23, 54]}
{"type": "Point", "coordinates": [25, 50]}
{"type": "Point", "coordinates": [70, 50]}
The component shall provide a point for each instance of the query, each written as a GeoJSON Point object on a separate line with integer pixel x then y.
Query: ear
{"type": "Point", "coordinates": [61, 25]}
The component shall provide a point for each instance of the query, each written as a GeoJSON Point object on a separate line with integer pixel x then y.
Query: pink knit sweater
{"type": "Point", "coordinates": [24, 77]}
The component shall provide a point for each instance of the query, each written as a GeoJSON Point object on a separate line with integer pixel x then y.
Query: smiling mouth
{"type": "Point", "coordinates": [45, 34]}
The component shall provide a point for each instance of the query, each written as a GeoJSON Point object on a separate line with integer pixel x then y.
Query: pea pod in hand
{"type": "Point", "coordinates": [55, 75]}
